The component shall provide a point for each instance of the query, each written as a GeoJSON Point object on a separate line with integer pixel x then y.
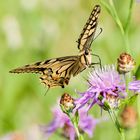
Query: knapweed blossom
{"type": "Point", "coordinates": [106, 87]}
{"type": "Point", "coordinates": [61, 121]}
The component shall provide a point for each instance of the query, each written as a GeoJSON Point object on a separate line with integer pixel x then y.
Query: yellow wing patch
{"type": "Point", "coordinates": [88, 32]}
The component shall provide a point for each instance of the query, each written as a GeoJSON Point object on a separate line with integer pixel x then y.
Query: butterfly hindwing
{"type": "Point", "coordinates": [54, 72]}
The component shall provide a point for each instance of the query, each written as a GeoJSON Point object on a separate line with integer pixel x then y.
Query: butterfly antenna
{"type": "Point", "coordinates": [47, 90]}
{"type": "Point", "coordinates": [77, 41]}
{"type": "Point", "coordinates": [98, 33]}
{"type": "Point", "coordinates": [100, 62]}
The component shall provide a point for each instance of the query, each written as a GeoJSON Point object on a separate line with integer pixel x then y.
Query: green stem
{"type": "Point", "coordinates": [127, 25]}
{"type": "Point", "coordinates": [80, 137]}
{"type": "Point", "coordinates": [129, 16]}
{"type": "Point", "coordinates": [117, 19]}
{"type": "Point", "coordinates": [124, 30]}
{"type": "Point", "coordinates": [126, 41]}
{"type": "Point", "coordinates": [74, 122]}
{"type": "Point", "coordinates": [116, 122]}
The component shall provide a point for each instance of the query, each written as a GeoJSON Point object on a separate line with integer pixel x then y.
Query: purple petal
{"type": "Point", "coordinates": [134, 86]}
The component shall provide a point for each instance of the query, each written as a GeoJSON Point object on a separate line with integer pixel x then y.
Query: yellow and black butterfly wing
{"type": "Point", "coordinates": [54, 72]}
{"type": "Point", "coordinates": [86, 37]}
{"type": "Point", "coordinates": [58, 71]}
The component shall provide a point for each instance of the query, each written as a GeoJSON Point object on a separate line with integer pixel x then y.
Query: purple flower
{"type": "Point", "coordinates": [135, 86]}
{"type": "Point", "coordinates": [105, 85]}
{"type": "Point", "coordinates": [86, 124]}
{"type": "Point", "coordinates": [138, 1]}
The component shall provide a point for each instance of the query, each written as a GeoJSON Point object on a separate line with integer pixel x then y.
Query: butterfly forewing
{"type": "Point", "coordinates": [58, 71]}
{"type": "Point", "coordinates": [54, 72]}
{"type": "Point", "coordinates": [86, 37]}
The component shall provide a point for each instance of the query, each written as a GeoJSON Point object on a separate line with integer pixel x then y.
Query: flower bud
{"type": "Point", "coordinates": [129, 117]}
{"type": "Point", "coordinates": [67, 103]}
{"type": "Point", "coordinates": [125, 63]}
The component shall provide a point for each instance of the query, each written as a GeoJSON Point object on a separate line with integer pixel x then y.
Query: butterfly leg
{"type": "Point", "coordinates": [98, 63]}
{"type": "Point", "coordinates": [92, 65]}
{"type": "Point", "coordinates": [47, 90]}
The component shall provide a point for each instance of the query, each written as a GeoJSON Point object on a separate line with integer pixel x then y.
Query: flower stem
{"type": "Point", "coordinates": [116, 122]}
{"type": "Point", "coordinates": [120, 25]}
{"type": "Point", "coordinates": [124, 29]}
{"type": "Point", "coordinates": [129, 16]}
{"type": "Point", "coordinates": [116, 17]}
{"type": "Point", "coordinates": [127, 25]}
{"type": "Point", "coordinates": [75, 124]}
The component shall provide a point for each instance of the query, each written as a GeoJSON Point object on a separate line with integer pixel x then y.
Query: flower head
{"type": "Point", "coordinates": [61, 120]}
{"type": "Point", "coordinates": [67, 103]}
{"type": "Point", "coordinates": [129, 117]}
{"type": "Point", "coordinates": [106, 87]}
{"type": "Point", "coordinates": [125, 63]}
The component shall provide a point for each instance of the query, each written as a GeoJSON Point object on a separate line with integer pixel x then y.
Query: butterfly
{"type": "Point", "coordinates": [58, 71]}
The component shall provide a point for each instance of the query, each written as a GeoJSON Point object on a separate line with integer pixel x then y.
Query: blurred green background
{"type": "Point", "coordinates": [37, 30]}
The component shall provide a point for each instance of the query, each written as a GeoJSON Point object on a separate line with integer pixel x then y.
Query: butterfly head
{"type": "Point", "coordinates": [85, 56]}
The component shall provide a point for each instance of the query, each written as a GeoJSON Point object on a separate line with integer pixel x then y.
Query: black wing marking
{"type": "Point", "coordinates": [86, 37]}
{"type": "Point", "coordinates": [55, 65]}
